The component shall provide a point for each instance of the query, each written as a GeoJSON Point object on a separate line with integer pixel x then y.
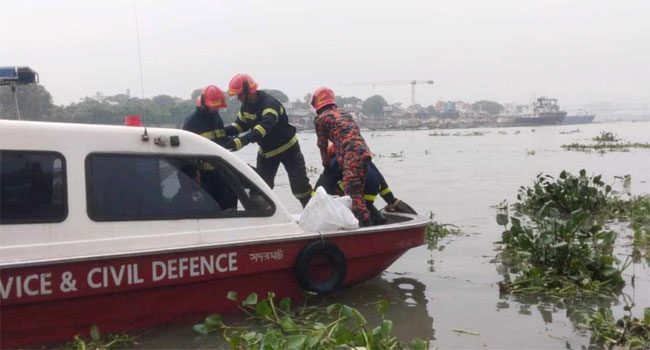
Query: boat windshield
{"type": "Point", "coordinates": [153, 187]}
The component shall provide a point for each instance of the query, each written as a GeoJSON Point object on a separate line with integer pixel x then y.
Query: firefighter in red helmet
{"type": "Point", "coordinates": [206, 121]}
{"type": "Point", "coordinates": [266, 123]}
{"type": "Point", "coordinates": [353, 155]}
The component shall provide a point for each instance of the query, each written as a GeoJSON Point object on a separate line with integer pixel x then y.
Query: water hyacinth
{"type": "Point", "coordinates": [336, 326]}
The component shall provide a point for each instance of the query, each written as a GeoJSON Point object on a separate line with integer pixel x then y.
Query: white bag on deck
{"type": "Point", "coordinates": [325, 213]}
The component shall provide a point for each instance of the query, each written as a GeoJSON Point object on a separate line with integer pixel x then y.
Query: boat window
{"type": "Point", "coordinates": [32, 187]}
{"type": "Point", "coordinates": [136, 187]}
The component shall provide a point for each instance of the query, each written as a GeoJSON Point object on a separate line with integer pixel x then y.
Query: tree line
{"type": "Point", "coordinates": [35, 103]}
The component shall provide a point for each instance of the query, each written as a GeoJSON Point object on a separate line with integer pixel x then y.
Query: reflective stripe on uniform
{"type": "Point", "coordinates": [385, 191]}
{"type": "Point", "coordinates": [270, 111]}
{"type": "Point", "coordinates": [280, 149]}
{"type": "Point", "coordinates": [240, 116]}
{"type": "Point", "coordinates": [238, 127]}
{"type": "Point", "coordinates": [249, 116]}
{"type": "Point", "coordinates": [237, 143]}
{"type": "Point", "coordinates": [214, 134]}
{"type": "Point", "coordinates": [340, 183]}
{"type": "Point", "coordinates": [205, 166]}
{"type": "Point", "coordinates": [209, 135]}
{"type": "Point", "coordinates": [260, 129]}
{"type": "Point", "coordinates": [369, 197]}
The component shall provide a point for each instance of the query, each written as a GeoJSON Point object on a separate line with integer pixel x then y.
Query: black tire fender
{"type": "Point", "coordinates": [335, 257]}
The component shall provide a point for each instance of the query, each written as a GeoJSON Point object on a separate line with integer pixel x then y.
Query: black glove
{"type": "Point", "coordinates": [401, 207]}
{"type": "Point", "coordinates": [236, 143]}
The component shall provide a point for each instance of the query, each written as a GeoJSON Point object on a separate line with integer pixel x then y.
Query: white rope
{"type": "Point", "coordinates": [14, 88]}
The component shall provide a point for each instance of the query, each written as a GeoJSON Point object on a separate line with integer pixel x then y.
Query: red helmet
{"type": "Point", "coordinates": [322, 97]}
{"type": "Point", "coordinates": [242, 83]}
{"type": "Point", "coordinates": [212, 98]}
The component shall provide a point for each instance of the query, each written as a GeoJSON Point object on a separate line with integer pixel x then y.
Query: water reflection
{"type": "Point", "coordinates": [407, 304]}
{"type": "Point", "coordinates": [575, 309]}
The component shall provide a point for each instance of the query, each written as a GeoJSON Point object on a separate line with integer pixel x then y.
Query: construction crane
{"type": "Point", "coordinates": [397, 82]}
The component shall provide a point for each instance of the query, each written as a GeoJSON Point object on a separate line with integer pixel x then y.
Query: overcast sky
{"type": "Point", "coordinates": [577, 51]}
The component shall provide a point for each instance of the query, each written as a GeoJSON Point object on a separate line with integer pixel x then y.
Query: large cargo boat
{"type": "Point", "coordinates": [580, 117]}
{"type": "Point", "coordinates": [129, 227]}
{"type": "Point", "coordinates": [545, 111]}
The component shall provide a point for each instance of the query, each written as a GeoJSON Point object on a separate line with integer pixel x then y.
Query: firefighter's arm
{"type": "Point", "coordinates": [270, 118]}
{"type": "Point", "coordinates": [324, 158]}
{"type": "Point", "coordinates": [237, 127]}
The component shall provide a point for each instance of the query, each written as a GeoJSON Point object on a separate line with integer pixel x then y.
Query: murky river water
{"type": "Point", "coordinates": [460, 178]}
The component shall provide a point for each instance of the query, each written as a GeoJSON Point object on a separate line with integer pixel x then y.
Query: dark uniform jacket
{"type": "Point", "coordinates": [207, 124]}
{"type": "Point", "coordinates": [268, 124]}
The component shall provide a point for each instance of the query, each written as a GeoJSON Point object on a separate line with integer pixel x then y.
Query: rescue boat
{"type": "Point", "coordinates": [104, 225]}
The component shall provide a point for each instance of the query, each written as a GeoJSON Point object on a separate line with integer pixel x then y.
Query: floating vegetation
{"type": "Point", "coordinates": [473, 133]}
{"type": "Point", "coordinates": [531, 152]}
{"type": "Point", "coordinates": [392, 155]}
{"type": "Point", "coordinates": [636, 211]}
{"type": "Point", "coordinates": [503, 132]}
{"type": "Point", "coordinates": [606, 136]}
{"type": "Point", "coordinates": [603, 147]}
{"type": "Point", "coordinates": [436, 231]}
{"type": "Point", "coordinates": [313, 170]}
{"type": "Point", "coordinates": [627, 332]}
{"type": "Point", "coordinates": [436, 133]}
{"type": "Point", "coordinates": [465, 331]}
{"type": "Point", "coordinates": [570, 132]}
{"type": "Point", "coordinates": [563, 248]}
{"type": "Point", "coordinates": [97, 342]}
{"type": "Point", "coordinates": [336, 326]}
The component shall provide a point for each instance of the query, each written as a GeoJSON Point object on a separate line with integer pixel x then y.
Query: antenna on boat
{"type": "Point", "coordinates": [145, 137]}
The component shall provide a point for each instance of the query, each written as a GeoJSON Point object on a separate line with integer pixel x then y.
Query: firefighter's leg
{"type": "Point", "coordinates": [267, 168]}
{"type": "Point", "coordinates": [294, 164]}
{"type": "Point", "coordinates": [354, 176]}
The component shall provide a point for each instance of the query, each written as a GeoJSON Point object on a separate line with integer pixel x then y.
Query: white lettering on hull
{"type": "Point", "coordinates": [115, 276]}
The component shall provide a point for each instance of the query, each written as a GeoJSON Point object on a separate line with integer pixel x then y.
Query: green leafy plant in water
{"type": "Point", "coordinates": [436, 231]}
{"type": "Point", "coordinates": [603, 147]}
{"type": "Point", "coordinates": [561, 197]}
{"type": "Point", "coordinates": [336, 326]}
{"type": "Point", "coordinates": [97, 342]}
{"type": "Point", "coordinates": [637, 212]}
{"type": "Point", "coordinates": [563, 248]}
{"type": "Point", "coordinates": [560, 257]}
{"type": "Point", "coordinates": [627, 332]}
{"type": "Point", "coordinates": [606, 136]}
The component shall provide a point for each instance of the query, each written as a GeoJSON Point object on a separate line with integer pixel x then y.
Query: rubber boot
{"type": "Point", "coordinates": [365, 223]}
{"type": "Point", "coordinates": [375, 215]}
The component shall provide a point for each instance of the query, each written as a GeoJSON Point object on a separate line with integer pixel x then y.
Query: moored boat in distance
{"type": "Point", "coordinates": [129, 227]}
{"type": "Point", "coordinates": [545, 111]}
{"type": "Point", "coordinates": [580, 117]}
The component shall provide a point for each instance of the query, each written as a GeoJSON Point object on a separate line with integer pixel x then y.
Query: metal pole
{"type": "Point", "coordinates": [413, 101]}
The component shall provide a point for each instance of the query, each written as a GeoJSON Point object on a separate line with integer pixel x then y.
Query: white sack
{"type": "Point", "coordinates": [324, 213]}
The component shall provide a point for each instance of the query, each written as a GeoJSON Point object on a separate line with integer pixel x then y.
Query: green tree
{"type": "Point", "coordinates": [196, 93]}
{"type": "Point", "coordinates": [279, 95]}
{"type": "Point", "coordinates": [374, 106]}
{"type": "Point", "coordinates": [491, 107]}
{"type": "Point", "coordinates": [342, 101]}
{"type": "Point", "coordinates": [34, 102]}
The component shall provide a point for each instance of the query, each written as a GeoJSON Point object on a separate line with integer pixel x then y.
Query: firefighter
{"type": "Point", "coordinates": [375, 184]}
{"type": "Point", "coordinates": [207, 122]}
{"type": "Point", "coordinates": [267, 124]}
{"type": "Point", "coordinates": [352, 153]}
